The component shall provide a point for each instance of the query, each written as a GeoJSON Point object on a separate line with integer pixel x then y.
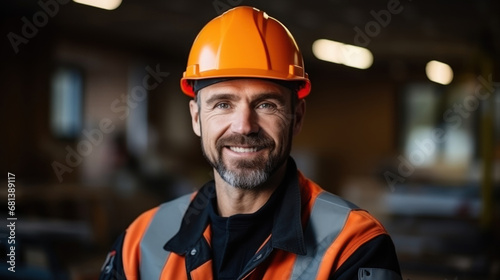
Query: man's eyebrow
{"type": "Point", "coordinates": [221, 96]}
{"type": "Point", "coordinates": [279, 97]}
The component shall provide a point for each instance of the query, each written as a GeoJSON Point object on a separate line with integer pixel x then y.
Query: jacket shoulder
{"type": "Point", "coordinates": [333, 201]}
{"type": "Point", "coordinates": [337, 218]}
{"type": "Point", "coordinates": [149, 226]}
{"type": "Point", "coordinates": [171, 209]}
{"type": "Point", "coordinates": [335, 230]}
{"type": "Point", "coordinates": [344, 215]}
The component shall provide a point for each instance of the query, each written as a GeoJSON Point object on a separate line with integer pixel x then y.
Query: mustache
{"type": "Point", "coordinates": [259, 141]}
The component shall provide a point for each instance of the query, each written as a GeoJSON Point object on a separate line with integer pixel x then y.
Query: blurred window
{"type": "Point", "coordinates": [431, 110]}
{"type": "Point", "coordinates": [421, 108]}
{"type": "Point", "coordinates": [137, 120]}
{"type": "Point", "coordinates": [66, 95]}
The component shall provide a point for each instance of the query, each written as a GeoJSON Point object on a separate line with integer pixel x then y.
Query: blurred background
{"type": "Point", "coordinates": [96, 129]}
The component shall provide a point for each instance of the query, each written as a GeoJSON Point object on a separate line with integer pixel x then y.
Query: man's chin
{"type": "Point", "coordinates": [245, 172]}
{"type": "Point", "coordinates": [244, 179]}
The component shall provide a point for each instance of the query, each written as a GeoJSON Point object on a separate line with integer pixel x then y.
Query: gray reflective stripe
{"type": "Point", "coordinates": [327, 219]}
{"type": "Point", "coordinates": [377, 274]}
{"type": "Point", "coordinates": [164, 225]}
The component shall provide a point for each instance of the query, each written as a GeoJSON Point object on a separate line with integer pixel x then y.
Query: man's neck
{"type": "Point", "coordinates": [232, 200]}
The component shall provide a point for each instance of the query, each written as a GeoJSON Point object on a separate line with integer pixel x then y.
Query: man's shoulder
{"type": "Point", "coordinates": [333, 201]}
{"type": "Point", "coordinates": [180, 201]}
{"type": "Point", "coordinates": [340, 220]}
{"type": "Point", "coordinates": [354, 220]}
{"type": "Point", "coordinates": [329, 206]}
{"type": "Point", "coordinates": [168, 211]}
{"type": "Point", "coordinates": [313, 194]}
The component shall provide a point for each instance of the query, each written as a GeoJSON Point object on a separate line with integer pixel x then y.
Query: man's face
{"type": "Point", "coordinates": [246, 128]}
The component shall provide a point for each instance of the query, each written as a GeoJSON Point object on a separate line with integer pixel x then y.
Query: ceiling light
{"type": "Point", "coordinates": [102, 4]}
{"type": "Point", "coordinates": [439, 72]}
{"type": "Point", "coordinates": [341, 53]}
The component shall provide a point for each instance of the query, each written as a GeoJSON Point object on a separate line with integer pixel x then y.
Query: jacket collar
{"type": "Point", "coordinates": [287, 232]}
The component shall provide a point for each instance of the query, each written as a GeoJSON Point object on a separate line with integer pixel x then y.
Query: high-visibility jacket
{"type": "Point", "coordinates": [317, 235]}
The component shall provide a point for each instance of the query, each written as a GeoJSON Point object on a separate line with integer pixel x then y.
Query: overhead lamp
{"type": "Point", "coordinates": [340, 53]}
{"type": "Point", "coordinates": [101, 4]}
{"type": "Point", "coordinates": [439, 72]}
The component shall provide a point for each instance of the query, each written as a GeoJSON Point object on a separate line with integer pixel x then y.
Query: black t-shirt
{"type": "Point", "coordinates": [236, 239]}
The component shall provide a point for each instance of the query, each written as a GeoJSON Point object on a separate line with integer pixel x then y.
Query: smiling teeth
{"type": "Point", "coordinates": [243, 150]}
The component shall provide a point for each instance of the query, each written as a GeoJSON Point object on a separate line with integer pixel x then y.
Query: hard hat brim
{"type": "Point", "coordinates": [187, 87]}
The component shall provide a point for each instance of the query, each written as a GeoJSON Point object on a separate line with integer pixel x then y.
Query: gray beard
{"type": "Point", "coordinates": [246, 178]}
{"type": "Point", "coordinates": [249, 181]}
{"type": "Point", "coordinates": [249, 175]}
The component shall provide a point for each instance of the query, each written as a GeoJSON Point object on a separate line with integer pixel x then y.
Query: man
{"type": "Point", "coordinates": [260, 218]}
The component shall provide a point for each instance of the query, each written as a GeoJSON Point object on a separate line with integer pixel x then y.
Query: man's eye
{"type": "Point", "coordinates": [222, 105]}
{"type": "Point", "coordinates": [266, 106]}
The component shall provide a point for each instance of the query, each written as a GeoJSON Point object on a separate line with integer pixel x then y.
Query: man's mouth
{"type": "Point", "coordinates": [243, 149]}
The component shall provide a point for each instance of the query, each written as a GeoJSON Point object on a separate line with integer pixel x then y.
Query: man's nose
{"type": "Point", "coordinates": [245, 121]}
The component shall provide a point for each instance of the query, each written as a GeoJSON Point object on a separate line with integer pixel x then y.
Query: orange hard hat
{"type": "Point", "coordinates": [245, 42]}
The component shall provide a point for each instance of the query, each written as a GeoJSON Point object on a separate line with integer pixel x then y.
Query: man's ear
{"type": "Point", "coordinates": [195, 116]}
{"type": "Point", "coordinates": [300, 111]}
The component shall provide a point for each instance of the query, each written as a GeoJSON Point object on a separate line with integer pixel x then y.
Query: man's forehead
{"type": "Point", "coordinates": [244, 87]}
